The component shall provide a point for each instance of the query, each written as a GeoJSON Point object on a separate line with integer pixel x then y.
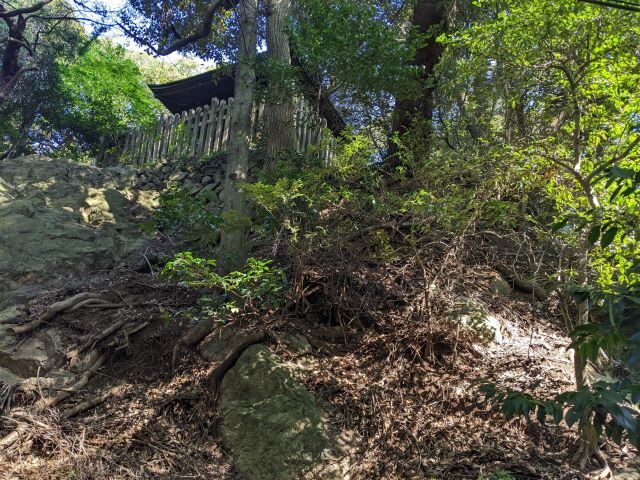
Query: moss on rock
{"type": "Point", "coordinates": [271, 424]}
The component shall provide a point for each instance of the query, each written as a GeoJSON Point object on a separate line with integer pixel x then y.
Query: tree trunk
{"type": "Point", "coordinates": [10, 71]}
{"type": "Point", "coordinates": [279, 112]}
{"type": "Point", "coordinates": [427, 20]}
{"type": "Point", "coordinates": [233, 245]}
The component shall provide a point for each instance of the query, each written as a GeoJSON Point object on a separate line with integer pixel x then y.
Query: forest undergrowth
{"type": "Point", "coordinates": [372, 279]}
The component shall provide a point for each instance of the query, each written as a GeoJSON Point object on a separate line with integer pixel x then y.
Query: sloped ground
{"type": "Point", "coordinates": [393, 366]}
{"type": "Point", "coordinates": [398, 414]}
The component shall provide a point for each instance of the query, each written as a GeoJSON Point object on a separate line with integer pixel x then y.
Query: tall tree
{"type": "Point", "coordinates": [203, 28]}
{"type": "Point", "coordinates": [279, 111]}
{"type": "Point", "coordinates": [238, 156]}
{"type": "Point", "coordinates": [427, 21]}
{"type": "Point", "coordinates": [22, 36]}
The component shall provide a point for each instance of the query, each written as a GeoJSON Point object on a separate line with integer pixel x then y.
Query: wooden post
{"type": "Point", "coordinates": [211, 125]}
{"type": "Point", "coordinates": [227, 124]}
{"type": "Point", "coordinates": [195, 126]}
{"type": "Point", "coordinates": [202, 134]}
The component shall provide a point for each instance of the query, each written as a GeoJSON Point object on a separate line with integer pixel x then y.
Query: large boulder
{"type": "Point", "coordinates": [271, 424]}
{"type": "Point", "coordinates": [59, 219]}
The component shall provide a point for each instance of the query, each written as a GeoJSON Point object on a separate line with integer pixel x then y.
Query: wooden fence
{"type": "Point", "coordinates": [202, 131]}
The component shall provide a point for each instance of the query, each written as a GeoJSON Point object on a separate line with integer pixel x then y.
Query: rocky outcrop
{"type": "Point", "coordinates": [271, 424]}
{"type": "Point", "coordinates": [59, 219]}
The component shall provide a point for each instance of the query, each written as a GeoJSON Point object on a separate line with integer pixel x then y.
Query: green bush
{"type": "Point", "coordinates": [186, 217]}
{"type": "Point", "coordinates": [260, 284]}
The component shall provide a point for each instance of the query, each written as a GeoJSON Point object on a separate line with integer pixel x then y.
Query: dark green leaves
{"type": "Point", "coordinates": [609, 401]}
{"type": "Point", "coordinates": [605, 233]}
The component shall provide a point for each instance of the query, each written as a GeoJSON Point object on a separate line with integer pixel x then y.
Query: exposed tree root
{"type": "Point", "coordinates": [198, 332]}
{"type": "Point", "coordinates": [215, 374]}
{"type": "Point", "coordinates": [50, 313]}
{"type": "Point", "coordinates": [88, 301]}
{"type": "Point", "coordinates": [127, 333]}
{"type": "Point", "coordinates": [589, 449]}
{"type": "Point", "coordinates": [6, 396]}
{"type": "Point", "coordinates": [192, 336]}
{"type": "Point", "coordinates": [92, 340]}
{"type": "Point", "coordinates": [47, 402]}
{"type": "Point", "coordinates": [44, 403]}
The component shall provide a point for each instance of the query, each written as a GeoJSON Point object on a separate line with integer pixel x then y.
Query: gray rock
{"type": "Point", "coordinates": [472, 315]}
{"type": "Point", "coordinates": [207, 190]}
{"type": "Point", "coordinates": [500, 286]}
{"type": "Point", "coordinates": [270, 423]}
{"type": "Point", "coordinates": [629, 472]}
{"type": "Point", "coordinates": [298, 343]}
{"type": "Point", "coordinates": [33, 356]}
{"type": "Point", "coordinates": [206, 180]}
{"type": "Point", "coordinates": [58, 226]}
{"type": "Point", "coordinates": [10, 314]}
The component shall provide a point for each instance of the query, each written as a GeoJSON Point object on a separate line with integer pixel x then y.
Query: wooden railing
{"type": "Point", "coordinates": [202, 131]}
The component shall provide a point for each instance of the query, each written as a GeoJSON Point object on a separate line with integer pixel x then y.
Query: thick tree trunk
{"type": "Point", "coordinates": [428, 17]}
{"type": "Point", "coordinates": [279, 112]}
{"type": "Point", "coordinates": [10, 71]}
{"type": "Point", "coordinates": [233, 245]}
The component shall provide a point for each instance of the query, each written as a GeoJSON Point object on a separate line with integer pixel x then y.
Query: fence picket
{"type": "Point", "coordinates": [227, 124]}
{"type": "Point", "coordinates": [202, 131]}
{"type": "Point", "coordinates": [211, 126]}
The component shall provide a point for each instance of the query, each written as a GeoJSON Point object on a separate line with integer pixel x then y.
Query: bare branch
{"type": "Point", "coordinates": [7, 87]}
{"type": "Point", "coordinates": [22, 43]}
{"type": "Point", "coordinates": [202, 32]}
{"type": "Point", "coordinates": [22, 11]}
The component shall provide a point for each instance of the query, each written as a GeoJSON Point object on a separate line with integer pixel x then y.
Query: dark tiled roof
{"type": "Point", "coordinates": [198, 90]}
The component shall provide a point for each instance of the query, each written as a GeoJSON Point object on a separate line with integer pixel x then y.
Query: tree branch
{"type": "Point", "coordinates": [22, 11]}
{"type": "Point", "coordinates": [615, 159]}
{"type": "Point", "coordinates": [199, 34]}
{"type": "Point", "coordinates": [7, 87]}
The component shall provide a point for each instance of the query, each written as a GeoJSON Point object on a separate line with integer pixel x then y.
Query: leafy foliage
{"type": "Point", "coordinates": [105, 95]}
{"type": "Point", "coordinates": [260, 284]}
{"type": "Point", "coordinates": [187, 217]}
{"type": "Point", "coordinates": [608, 407]}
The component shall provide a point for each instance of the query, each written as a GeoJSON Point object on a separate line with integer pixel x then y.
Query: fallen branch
{"type": "Point", "coordinates": [14, 436]}
{"type": "Point", "coordinates": [539, 293]}
{"type": "Point", "coordinates": [215, 374]}
{"type": "Point", "coordinates": [50, 313]}
{"type": "Point", "coordinates": [94, 401]}
{"type": "Point", "coordinates": [403, 224]}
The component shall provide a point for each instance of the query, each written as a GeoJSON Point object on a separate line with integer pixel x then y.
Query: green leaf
{"type": "Point", "coordinates": [594, 234]}
{"type": "Point", "coordinates": [560, 225]}
{"type": "Point", "coordinates": [573, 415]}
{"type": "Point", "coordinates": [609, 236]}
